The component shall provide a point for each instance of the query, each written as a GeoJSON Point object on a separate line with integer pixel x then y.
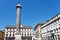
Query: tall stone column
{"type": "Point", "coordinates": [18, 22]}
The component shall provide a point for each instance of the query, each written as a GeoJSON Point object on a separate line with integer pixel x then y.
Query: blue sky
{"type": "Point", "coordinates": [33, 11]}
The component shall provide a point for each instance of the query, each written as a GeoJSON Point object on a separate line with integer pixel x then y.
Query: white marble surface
{"type": "Point", "coordinates": [18, 37]}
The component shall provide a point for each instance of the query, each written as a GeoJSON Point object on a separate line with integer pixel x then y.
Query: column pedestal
{"type": "Point", "coordinates": [18, 36]}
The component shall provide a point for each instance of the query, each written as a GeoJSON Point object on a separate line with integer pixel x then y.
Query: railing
{"type": "Point", "coordinates": [56, 37]}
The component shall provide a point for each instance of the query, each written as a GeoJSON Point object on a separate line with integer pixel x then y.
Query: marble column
{"type": "Point", "coordinates": [18, 22]}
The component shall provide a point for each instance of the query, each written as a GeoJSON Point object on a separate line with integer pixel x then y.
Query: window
{"type": "Point", "coordinates": [22, 34]}
{"type": "Point", "coordinates": [13, 35]}
{"type": "Point", "coordinates": [28, 34]}
{"type": "Point", "coordinates": [59, 27]}
{"type": "Point", "coordinates": [25, 34]}
{"type": "Point", "coordinates": [10, 35]}
{"type": "Point", "coordinates": [6, 35]}
{"type": "Point", "coordinates": [59, 24]}
{"type": "Point", "coordinates": [25, 29]}
{"type": "Point", "coordinates": [59, 20]}
{"type": "Point", "coordinates": [51, 31]}
{"type": "Point", "coordinates": [6, 38]}
{"type": "Point", "coordinates": [54, 29]}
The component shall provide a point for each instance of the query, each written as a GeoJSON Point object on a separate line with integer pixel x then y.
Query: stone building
{"type": "Point", "coordinates": [26, 32]}
{"type": "Point", "coordinates": [37, 30]}
{"type": "Point", "coordinates": [51, 29]}
{"type": "Point", "coordinates": [2, 35]}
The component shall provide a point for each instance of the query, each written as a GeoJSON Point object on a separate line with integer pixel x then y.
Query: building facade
{"type": "Point", "coordinates": [51, 29]}
{"type": "Point", "coordinates": [2, 35]}
{"type": "Point", "coordinates": [26, 32]}
{"type": "Point", "coordinates": [37, 30]}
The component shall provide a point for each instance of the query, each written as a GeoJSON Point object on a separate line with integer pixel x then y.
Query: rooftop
{"type": "Point", "coordinates": [14, 27]}
{"type": "Point", "coordinates": [38, 25]}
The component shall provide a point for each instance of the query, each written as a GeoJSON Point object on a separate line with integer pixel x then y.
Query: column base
{"type": "Point", "coordinates": [18, 36]}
